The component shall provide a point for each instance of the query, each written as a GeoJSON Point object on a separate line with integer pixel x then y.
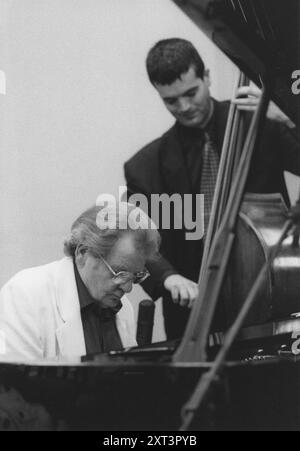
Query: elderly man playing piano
{"type": "Point", "coordinates": [77, 305]}
{"type": "Point", "coordinates": [185, 160]}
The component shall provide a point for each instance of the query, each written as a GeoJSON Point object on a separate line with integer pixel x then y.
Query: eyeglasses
{"type": "Point", "coordinates": [126, 276]}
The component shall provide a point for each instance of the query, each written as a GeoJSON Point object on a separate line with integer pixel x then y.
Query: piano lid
{"type": "Point", "coordinates": [260, 36]}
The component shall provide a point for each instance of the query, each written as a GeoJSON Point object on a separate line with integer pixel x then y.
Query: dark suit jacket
{"type": "Point", "coordinates": [160, 167]}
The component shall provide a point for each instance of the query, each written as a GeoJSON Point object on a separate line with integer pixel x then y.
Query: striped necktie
{"type": "Point", "coordinates": [209, 173]}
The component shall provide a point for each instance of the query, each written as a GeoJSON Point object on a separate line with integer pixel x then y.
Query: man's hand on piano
{"type": "Point", "coordinates": [183, 291]}
{"type": "Point", "coordinates": [247, 99]}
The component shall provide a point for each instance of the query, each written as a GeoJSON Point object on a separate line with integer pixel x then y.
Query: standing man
{"type": "Point", "coordinates": [185, 161]}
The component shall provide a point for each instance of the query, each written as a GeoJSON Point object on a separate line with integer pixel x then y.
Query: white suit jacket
{"type": "Point", "coordinates": [40, 315]}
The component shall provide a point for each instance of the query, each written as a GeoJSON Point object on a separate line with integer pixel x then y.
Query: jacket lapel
{"type": "Point", "coordinates": [69, 334]}
{"type": "Point", "coordinates": [173, 167]}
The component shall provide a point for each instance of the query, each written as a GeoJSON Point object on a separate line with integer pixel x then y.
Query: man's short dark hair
{"type": "Point", "coordinates": [169, 59]}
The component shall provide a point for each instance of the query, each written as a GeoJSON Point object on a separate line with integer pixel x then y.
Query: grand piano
{"type": "Point", "coordinates": [165, 386]}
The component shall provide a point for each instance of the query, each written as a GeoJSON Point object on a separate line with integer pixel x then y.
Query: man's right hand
{"type": "Point", "coordinates": [183, 291]}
